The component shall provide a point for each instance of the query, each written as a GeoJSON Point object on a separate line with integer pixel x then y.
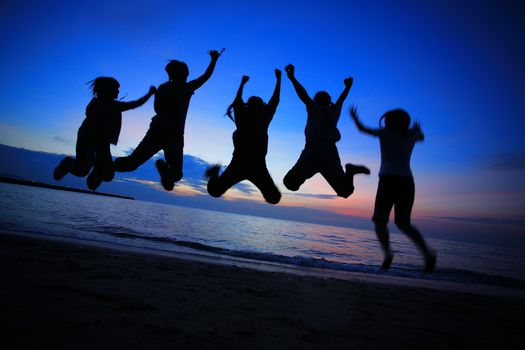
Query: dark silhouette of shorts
{"type": "Point", "coordinates": [323, 159]}
{"type": "Point", "coordinates": [249, 168]}
{"type": "Point", "coordinates": [397, 192]}
{"type": "Point", "coordinates": [92, 153]}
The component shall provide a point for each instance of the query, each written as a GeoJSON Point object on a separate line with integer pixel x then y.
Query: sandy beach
{"type": "Point", "coordinates": [64, 295]}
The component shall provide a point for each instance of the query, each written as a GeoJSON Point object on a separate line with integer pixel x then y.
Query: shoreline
{"type": "Point", "coordinates": [58, 293]}
{"type": "Point", "coordinates": [191, 255]}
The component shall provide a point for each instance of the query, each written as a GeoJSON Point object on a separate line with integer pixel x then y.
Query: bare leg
{"type": "Point", "coordinates": [171, 170]}
{"type": "Point", "coordinates": [263, 181]}
{"type": "Point", "coordinates": [103, 170]}
{"type": "Point", "coordinates": [414, 234]}
{"type": "Point", "coordinates": [305, 168]}
{"type": "Point", "coordinates": [79, 166]}
{"type": "Point", "coordinates": [332, 171]}
{"type": "Point", "coordinates": [146, 149]}
{"type": "Point", "coordinates": [218, 185]}
{"type": "Point", "coordinates": [384, 238]}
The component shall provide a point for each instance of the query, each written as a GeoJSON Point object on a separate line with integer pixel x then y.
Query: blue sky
{"type": "Point", "coordinates": [456, 66]}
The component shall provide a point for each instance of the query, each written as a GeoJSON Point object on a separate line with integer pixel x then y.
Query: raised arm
{"type": "Point", "coordinates": [197, 83]}
{"type": "Point", "coordinates": [348, 84]}
{"type": "Point", "coordinates": [274, 100]}
{"type": "Point", "coordinates": [299, 89]}
{"type": "Point", "coordinates": [360, 126]}
{"type": "Point", "coordinates": [124, 106]}
{"type": "Point", "coordinates": [238, 97]}
{"type": "Point", "coordinates": [244, 80]}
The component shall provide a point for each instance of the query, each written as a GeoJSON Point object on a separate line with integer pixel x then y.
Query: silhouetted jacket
{"type": "Point", "coordinates": [321, 124]}
{"type": "Point", "coordinates": [103, 120]}
{"type": "Point", "coordinates": [171, 106]}
{"type": "Point", "coordinates": [251, 136]}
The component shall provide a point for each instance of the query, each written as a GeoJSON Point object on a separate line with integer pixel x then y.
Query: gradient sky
{"type": "Point", "coordinates": [456, 66]}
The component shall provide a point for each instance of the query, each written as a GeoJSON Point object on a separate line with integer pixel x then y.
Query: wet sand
{"type": "Point", "coordinates": [56, 294]}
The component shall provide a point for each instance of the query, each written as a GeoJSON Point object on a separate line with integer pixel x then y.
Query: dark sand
{"type": "Point", "coordinates": [61, 295]}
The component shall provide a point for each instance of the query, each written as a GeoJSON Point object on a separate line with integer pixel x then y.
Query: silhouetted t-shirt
{"type": "Point", "coordinates": [396, 150]}
{"type": "Point", "coordinates": [103, 119]}
{"type": "Point", "coordinates": [251, 136]}
{"type": "Point", "coordinates": [321, 124]}
{"type": "Point", "coordinates": [171, 106]}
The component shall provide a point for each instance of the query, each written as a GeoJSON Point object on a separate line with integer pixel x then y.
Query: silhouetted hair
{"type": "Point", "coordinates": [177, 70]}
{"type": "Point", "coordinates": [323, 98]}
{"type": "Point", "coordinates": [396, 120]}
{"type": "Point", "coordinates": [103, 86]}
{"type": "Point", "coordinates": [254, 105]}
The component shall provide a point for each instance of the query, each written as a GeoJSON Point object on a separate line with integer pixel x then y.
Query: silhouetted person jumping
{"type": "Point", "coordinates": [250, 142]}
{"type": "Point", "coordinates": [320, 153]}
{"type": "Point", "coordinates": [100, 129]}
{"type": "Point", "coordinates": [166, 131]}
{"type": "Point", "coordinates": [396, 184]}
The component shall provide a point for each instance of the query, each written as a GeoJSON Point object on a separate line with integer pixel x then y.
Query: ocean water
{"type": "Point", "coordinates": [162, 227]}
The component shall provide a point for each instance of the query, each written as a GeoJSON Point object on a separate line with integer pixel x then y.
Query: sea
{"type": "Point", "coordinates": [320, 250]}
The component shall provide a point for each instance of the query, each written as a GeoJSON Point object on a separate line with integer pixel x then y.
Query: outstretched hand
{"type": "Point", "coordinates": [353, 113]}
{"type": "Point", "coordinates": [290, 70]}
{"type": "Point", "coordinates": [349, 81]}
{"type": "Point", "coordinates": [417, 125]}
{"type": "Point", "coordinates": [215, 54]}
{"type": "Point", "coordinates": [245, 79]}
{"type": "Point", "coordinates": [152, 90]}
{"type": "Point", "coordinates": [278, 73]}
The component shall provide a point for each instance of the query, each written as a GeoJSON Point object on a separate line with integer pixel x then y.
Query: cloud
{"type": "Point", "coordinates": [193, 180]}
{"type": "Point", "coordinates": [517, 220]}
{"type": "Point", "coordinates": [63, 140]}
{"type": "Point", "coordinates": [514, 161]}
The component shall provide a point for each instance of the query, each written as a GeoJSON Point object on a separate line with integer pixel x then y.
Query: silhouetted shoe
{"type": "Point", "coordinates": [93, 181]}
{"type": "Point", "coordinates": [352, 169]}
{"type": "Point", "coordinates": [387, 262]}
{"type": "Point", "coordinates": [165, 178]}
{"type": "Point", "coordinates": [212, 171]}
{"type": "Point", "coordinates": [430, 261]}
{"type": "Point", "coordinates": [62, 169]}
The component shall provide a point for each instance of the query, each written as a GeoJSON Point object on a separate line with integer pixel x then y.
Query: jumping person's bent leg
{"type": "Point", "coordinates": [262, 179]}
{"type": "Point", "coordinates": [382, 207]}
{"type": "Point", "coordinates": [64, 167]}
{"type": "Point", "coordinates": [384, 239]}
{"type": "Point", "coordinates": [80, 165]}
{"type": "Point", "coordinates": [333, 172]}
{"type": "Point", "coordinates": [413, 233]}
{"type": "Point", "coordinates": [103, 170]}
{"type": "Point", "coordinates": [146, 149]}
{"type": "Point", "coordinates": [104, 162]}
{"type": "Point", "coordinates": [170, 170]}
{"type": "Point", "coordinates": [304, 169]}
{"type": "Point", "coordinates": [218, 185]}
{"type": "Point", "coordinates": [351, 170]}
{"type": "Point", "coordinates": [173, 153]}
{"type": "Point", "coordinates": [404, 200]}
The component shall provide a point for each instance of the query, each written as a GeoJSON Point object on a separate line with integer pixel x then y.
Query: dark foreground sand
{"type": "Point", "coordinates": [60, 295]}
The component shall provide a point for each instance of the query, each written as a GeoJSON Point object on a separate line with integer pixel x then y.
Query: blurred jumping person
{"type": "Point", "coordinates": [396, 184]}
